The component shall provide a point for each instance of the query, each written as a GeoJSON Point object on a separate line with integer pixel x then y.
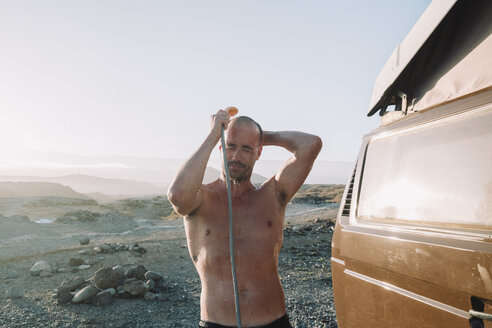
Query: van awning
{"type": "Point", "coordinates": [446, 55]}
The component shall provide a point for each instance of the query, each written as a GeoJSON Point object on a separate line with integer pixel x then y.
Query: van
{"type": "Point", "coordinates": [412, 245]}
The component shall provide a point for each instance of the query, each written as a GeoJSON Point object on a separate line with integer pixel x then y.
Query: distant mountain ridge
{"type": "Point", "coordinates": [100, 189]}
{"type": "Point", "coordinates": [154, 170]}
{"type": "Point", "coordinates": [37, 189]}
{"type": "Point", "coordinates": [85, 184]}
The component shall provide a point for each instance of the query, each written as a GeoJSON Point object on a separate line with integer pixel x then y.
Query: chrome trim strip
{"type": "Point", "coordinates": [409, 294]}
{"type": "Point", "coordinates": [334, 259]}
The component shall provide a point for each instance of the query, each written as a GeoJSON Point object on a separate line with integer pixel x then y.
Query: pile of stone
{"type": "Point", "coordinates": [317, 227]}
{"type": "Point", "coordinates": [111, 248]}
{"type": "Point", "coordinates": [110, 283]}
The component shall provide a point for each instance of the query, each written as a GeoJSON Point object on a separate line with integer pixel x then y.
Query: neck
{"type": "Point", "coordinates": [238, 187]}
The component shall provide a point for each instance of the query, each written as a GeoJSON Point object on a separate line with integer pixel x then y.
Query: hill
{"type": "Point", "coordinates": [90, 184]}
{"type": "Point", "coordinates": [212, 174]}
{"type": "Point", "coordinates": [37, 189]}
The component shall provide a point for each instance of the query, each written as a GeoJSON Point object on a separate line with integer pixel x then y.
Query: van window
{"type": "Point", "coordinates": [439, 172]}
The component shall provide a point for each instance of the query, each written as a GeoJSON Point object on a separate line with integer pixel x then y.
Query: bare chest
{"type": "Point", "coordinates": [257, 226]}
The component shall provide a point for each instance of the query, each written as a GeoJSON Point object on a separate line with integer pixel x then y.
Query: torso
{"type": "Point", "coordinates": [258, 232]}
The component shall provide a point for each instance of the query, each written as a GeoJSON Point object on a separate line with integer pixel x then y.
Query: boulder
{"type": "Point", "coordinates": [120, 269]}
{"type": "Point", "coordinates": [149, 296]}
{"type": "Point", "coordinates": [14, 292]}
{"type": "Point", "coordinates": [85, 294]}
{"type": "Point", "coordinates": [71, 284]}
{"type": "Point", "coordinates": [137, 272]}
{"type": "Point", "coordinates": [45, 274]}
{"type": "Point", "coordinates": [84, 240]}
{"type": "Point", "coordinates": [75, 261]}
{"type": "Point", "coordinates": [84, 267]}
{"type": "Point", "coordinates": [105, 297]}
{"type": "Point", "coordinates": [152, 275]}
{"type": "Point", "coordinates": [136, 287]}
{"type": "Point", "coordinates": [107, 278]}
{"type": "Point", "coordinates": [63, 293]}
{"type": "Point", "coordinates": [39, 267]}
{"type": "Point", "coordinates": [12, 275]}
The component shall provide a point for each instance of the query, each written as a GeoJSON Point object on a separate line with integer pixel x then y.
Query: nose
{"type": "Point", "coordinates": [235, 155]}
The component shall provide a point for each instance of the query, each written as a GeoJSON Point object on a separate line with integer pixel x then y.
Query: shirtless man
{"type": "Point", "coordinates": [258, 214]}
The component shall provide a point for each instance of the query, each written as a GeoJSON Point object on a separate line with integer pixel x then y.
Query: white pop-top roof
{"type": "Point", "coordinates": [446, 55]}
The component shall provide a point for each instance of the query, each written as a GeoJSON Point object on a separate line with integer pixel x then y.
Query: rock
{"type": "Point", "coordinates": [85, 294]}
{"type": "Point", "coordinates": [120, 269]}
{"type": "Point", "coordinates": [151, 284]}
{"type": "Point", "coordinates": [129, 280]}
{"type": "Point", "coordinates": [45, 274]}
{"type": "Point", "coordinates": [71, 284]}
{"type": "Point", "coordinates": [63, 293]}
{"type": "Point", "coordinates": [149, 296]}
{"type": "Point", "coordinates": [98, 249]}
{"type": "Point", "coordinates": [83, 252]}
{"type": "Point", "coordinates": [159, 285]}
{"type": "Point", "coordinates": [105, 297]}
{"type": "Point", "coordinates": [12, 275]}
{"type": "Point", "coordinates": [84, 267]}
{"type": "Point", "coordinates": [63, 296]}
{"type": "Point", "coordinates": [84, 241]}
{"type": "Point", "coordinates": [119, 247]}
{"type": "Point", "coordinates": [75, 261]}
{"type": "Point", "coordinates": [14, 292]}
{"type": "Point", "coordinates": [39, 267]}
{"type": "Point", "coordinates": [124, 295]}
{"type": "Point", "coordinates": [62, 270]}
{"type": "Point", "coordinates": [136, 287]}
{"type": "Point", "coordinates": [105, 247]}
{"type": "Point", "coordinates": [137, 272]}
{"type": "Point", "coordinates": [153, 275]}
{"type": "Point", "coordinates": [107, 278]}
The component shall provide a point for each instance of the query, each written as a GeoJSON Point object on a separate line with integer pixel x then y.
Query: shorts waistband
{"type": "Point", "coordinates": [282, 322]}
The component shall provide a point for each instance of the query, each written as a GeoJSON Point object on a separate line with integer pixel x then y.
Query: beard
{"type": "Point", "coordinates": [239, 172]}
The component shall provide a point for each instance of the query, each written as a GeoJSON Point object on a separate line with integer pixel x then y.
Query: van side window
{"type": "Point", "coordinates": [440, 172]}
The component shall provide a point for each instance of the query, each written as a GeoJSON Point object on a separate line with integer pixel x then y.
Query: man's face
{"type": "Point", "coordinates": [242, 149]}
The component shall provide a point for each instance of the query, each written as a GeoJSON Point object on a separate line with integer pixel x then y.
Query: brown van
{"type": "Point", "coordinates": [413, 241]}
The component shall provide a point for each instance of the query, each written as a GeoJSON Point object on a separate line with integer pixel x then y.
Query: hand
{"type": "Point", "coordinates": [218, 120]}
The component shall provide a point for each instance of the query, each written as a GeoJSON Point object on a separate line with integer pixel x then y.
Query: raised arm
{"type": "Point", "coordinates": [304, 148]}
{"type": "Point", "coordinates": [184, 192]}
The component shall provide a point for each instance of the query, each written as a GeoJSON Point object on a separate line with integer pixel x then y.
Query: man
{"type": "Point", "coordinates": [258, 214]}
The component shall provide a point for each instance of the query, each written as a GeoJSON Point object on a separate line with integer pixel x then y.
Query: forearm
{"type": "Point", "coordinates": [298, 143]}
{"type": "Point", "coordinates": [185, 186]}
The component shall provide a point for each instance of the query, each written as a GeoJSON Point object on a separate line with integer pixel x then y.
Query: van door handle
{"type": "Point", "coordinates": [480, 315]}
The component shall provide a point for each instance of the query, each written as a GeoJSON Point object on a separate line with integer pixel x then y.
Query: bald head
{"type": "Point", "coordinates": [248, 121]}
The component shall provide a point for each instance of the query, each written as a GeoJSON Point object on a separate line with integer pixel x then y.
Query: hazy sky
{"type": "Point", "coordinates": [142, 78]}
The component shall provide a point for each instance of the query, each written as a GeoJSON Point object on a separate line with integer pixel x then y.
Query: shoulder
{"type": "Point", "coordinates": [209, 196]}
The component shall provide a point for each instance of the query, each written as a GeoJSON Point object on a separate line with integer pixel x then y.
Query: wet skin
{"type": "Point", "coordinates": [258, 224]}
{"type": "Point", "coordinates": [258, 220]}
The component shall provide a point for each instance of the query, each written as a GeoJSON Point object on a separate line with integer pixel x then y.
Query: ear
{"type": "Point", "coordinates": [260, 148]}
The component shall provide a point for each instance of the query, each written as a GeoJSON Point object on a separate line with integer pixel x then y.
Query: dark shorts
{"type": "Point", "coordinates": [282, 322]}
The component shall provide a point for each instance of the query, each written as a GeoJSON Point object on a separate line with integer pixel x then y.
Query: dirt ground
{"type": "Point", "coordinates": [304, 267]}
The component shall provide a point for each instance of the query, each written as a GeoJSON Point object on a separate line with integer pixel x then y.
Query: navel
{"type": "Point", "coordinates": [269, 223]}
{"type": "Point", "coordinates": [207, 232]}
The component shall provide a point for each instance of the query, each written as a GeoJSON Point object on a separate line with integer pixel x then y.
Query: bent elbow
{"type": "Point", "coordinates": [181, 204]}
{"type": "Point", "coordinates": [316, 145]}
